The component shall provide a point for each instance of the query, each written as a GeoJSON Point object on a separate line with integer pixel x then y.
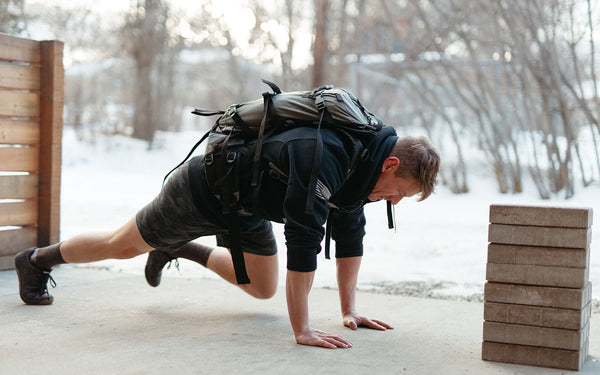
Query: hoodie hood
{"type": "Point", "coordinates": [361, 183]}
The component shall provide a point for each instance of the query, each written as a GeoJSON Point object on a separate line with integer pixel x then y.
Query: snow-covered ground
{"type": "Point", "coordinates": [440, 240]}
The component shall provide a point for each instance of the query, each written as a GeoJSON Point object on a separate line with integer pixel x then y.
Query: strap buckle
{"type": "Point", "coordinates": [230, 157]}
{"type": "Point", "coordinates": [320, 102]}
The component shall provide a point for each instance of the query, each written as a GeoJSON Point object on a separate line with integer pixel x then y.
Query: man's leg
{"type": "Point", "coordinates": [262, 269]}
{"type": "Point", "coordinates": [34, 265]}
{"type": "Point", "coordinates": [126, 242]}
{"type": "Point", "coordinates": [157, 259]}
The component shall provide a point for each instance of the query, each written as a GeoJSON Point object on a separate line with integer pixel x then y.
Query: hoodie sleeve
{"type": "Point", "coordinates": [348, 230]}
{"type": "Point", "coordinates": [304, 232]}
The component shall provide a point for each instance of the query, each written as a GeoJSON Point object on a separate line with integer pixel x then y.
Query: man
{"type": "Point", "coordinates": [187, 209]}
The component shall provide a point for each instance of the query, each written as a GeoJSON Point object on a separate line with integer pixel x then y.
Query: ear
{"type": "Point", "coordinates": [390, 164]}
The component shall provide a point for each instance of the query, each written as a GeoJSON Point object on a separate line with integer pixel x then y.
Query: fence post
{"type": "Point", "coordinates": [51, 112]}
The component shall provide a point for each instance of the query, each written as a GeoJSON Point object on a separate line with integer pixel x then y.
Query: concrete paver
{"type": "Point", "coordinates": [566, 217]}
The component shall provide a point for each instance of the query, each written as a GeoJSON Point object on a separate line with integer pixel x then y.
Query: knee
{"type": "Point", "coordinates": [264, 295]}
{"type": "Point", "coordinates": [127, 242]}
{"type": "Point", "coordinates": [264, 291]}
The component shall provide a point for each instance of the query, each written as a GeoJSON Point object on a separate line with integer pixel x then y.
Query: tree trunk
{"type": "Point", "coordinates": [143, 116]}
{"type": "Point", "coordinates": [320, 43]}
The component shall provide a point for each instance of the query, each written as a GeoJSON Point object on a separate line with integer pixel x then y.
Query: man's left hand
{"type": "Point", "coordinates": [354, 320]}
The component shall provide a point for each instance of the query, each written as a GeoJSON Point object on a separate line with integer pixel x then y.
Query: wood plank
{"type": "Point", "coordinates": [19, 49]}
{"type": "Point", "coordinates": [14, 240]}
{"type": "Point", "coordinates": [19, 76]}
{"type": "Point", "coordinates": [562, 217]}
{"type": "Point", "coordinates": [537, 275]}
{"type": "Point", "coordinates": [51, 114]}
{"type": "Point", "coordinates": [19, 213]}
{"type": "Point", "coordinates": [537, 315]}
{"type": "Point", "coordinates": [19, 104]}
{"type": "Point", "coordinates": [539, 256]}
{"type": "Point", "coordinates": [19, 132]}
{"type": "Point", "coordinates": [546, 296]}
{"type": "Point", "coordinates": [536, 336]}
{"type": "Point", "coordinates": [577, 238]}
{"type": "Point", "coordinates": [19, 159]}
{"type": "Point", "coordinates": [19, 187]}
{"type": "Point", "coordinates": [535, 356]}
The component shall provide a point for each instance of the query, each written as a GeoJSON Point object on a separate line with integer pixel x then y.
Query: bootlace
{"type": "Point", "coordinates": [48, 277]}
{"type": "Point", "coordinates": [175, 262]}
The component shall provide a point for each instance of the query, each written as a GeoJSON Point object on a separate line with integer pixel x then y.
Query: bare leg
{"type": "Point", "coordinates": [262, 271]}
{"type": "Point", "coordinates": [126, 242]}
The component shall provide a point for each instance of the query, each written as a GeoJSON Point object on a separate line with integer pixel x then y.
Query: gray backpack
{"type": "Point", "coordinates": [276, 111]}
{"type": "Point", "coordinates": [324, 106]}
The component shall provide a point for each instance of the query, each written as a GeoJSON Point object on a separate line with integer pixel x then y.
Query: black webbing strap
{"type": "Point", "coordinates": [228, 185]}
{"type": "Point", "coordinates": [273, 86]}
{"type": "Point", "coordinates": [237, 255]}
{"type": "Point", "coordinates": [206, 112]}
{"type": "Point", "coordinates": [256, 194]}
{"type": "Point", "coordinates": [316, 167]}
{"type": "Point", "coordinates": [328, 237]}
{"type": "Point", "coordinates": [390, 215]}
{"type": "Point", "coordinates": [191, 151]}
{"type": "Point", "coordinates": [261, 134]}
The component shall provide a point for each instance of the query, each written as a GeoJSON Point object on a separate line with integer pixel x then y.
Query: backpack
{"type": "Point", "coordinates": [276, 111]}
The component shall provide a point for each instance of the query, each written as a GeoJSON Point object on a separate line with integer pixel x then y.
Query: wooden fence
{"type": "Point", "coordinates": [31, 108]}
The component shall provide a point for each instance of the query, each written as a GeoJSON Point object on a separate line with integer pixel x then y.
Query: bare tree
{"type": "Point", "coordinates": [13, 19]}
{"type": "Point", "coordinates": [320, 43]}
{"type": "Point", "coordinates": [147, 39]}
{"type": "Point", "coordinates": [517, 78]}
{"type": "Point", "coordinates": [497, 72]}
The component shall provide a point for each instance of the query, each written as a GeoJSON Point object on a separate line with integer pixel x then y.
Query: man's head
{"type": "Point", "coordinates": [410, 169]}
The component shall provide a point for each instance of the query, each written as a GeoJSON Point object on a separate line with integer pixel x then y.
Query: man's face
{"type": "Point", "coordinates": [392, 188]}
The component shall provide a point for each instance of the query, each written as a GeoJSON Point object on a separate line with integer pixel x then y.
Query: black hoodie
{"type": "Point", "coordinates": [292, 153]}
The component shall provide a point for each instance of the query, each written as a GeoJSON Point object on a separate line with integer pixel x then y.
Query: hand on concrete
{"type": "Point", "coordinates": [315, 337]}
{"type": "Point", "coordinates": [354, 320]}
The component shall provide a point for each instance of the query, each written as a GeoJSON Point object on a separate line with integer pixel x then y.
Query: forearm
{"type": "Point", "coordinates": [298, 286]}
{"type": "Point", "coordinates": [347, 276]}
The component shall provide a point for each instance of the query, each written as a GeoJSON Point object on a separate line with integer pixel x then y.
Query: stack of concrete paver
{"type": "Point", "coordinates": [537, 296]}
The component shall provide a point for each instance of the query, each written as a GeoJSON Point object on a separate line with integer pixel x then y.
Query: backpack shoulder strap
{"type": "Point", "coordinates": [191, 151]}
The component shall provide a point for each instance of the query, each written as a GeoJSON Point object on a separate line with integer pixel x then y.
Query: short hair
{"type": "Point", "coordinates": [419, 160]}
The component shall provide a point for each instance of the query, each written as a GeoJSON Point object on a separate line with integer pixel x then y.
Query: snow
{"type": "Point", "coordinates": [440, 240]}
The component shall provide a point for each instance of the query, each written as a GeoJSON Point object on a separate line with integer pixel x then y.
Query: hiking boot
{"type": "Point", "coordinates": [33, 280]}
{"type": "Point", "coordinates": [155, 264]}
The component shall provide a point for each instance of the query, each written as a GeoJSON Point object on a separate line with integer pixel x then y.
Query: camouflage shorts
{"type": "Point", "coordinates": [171, 220]}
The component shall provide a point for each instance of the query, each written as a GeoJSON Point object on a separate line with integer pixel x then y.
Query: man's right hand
{"type": "Point", "coordinates": [297, 288]}
{"type": "Point", "coordinates": [315, 337]}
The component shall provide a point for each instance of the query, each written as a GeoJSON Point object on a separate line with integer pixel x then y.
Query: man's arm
{"type": "Point", "coordinates": [347, 276]}
{"type": "Point", "coordinates": [298, 286]}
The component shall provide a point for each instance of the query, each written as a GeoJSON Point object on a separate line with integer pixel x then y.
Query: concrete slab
{"type": "Point", "coordinates": [536, 336]}
{"type": "Point", "coordinates": [537, 315]}
{"type": "Point", "coordinates": [564, 277]}
{"type": "Point", "coordinates": [540, 236]}
{"type": "Point", "coordinates": [536, 356]}
{"type": "Point", "coordinates": [564, 217]}
{"type": "Point", "coordinates": [546, 296]}
{"type": "Point", "coordinates": [113, 323]}
{"type": "Point", "coordinates": [539, 256]}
